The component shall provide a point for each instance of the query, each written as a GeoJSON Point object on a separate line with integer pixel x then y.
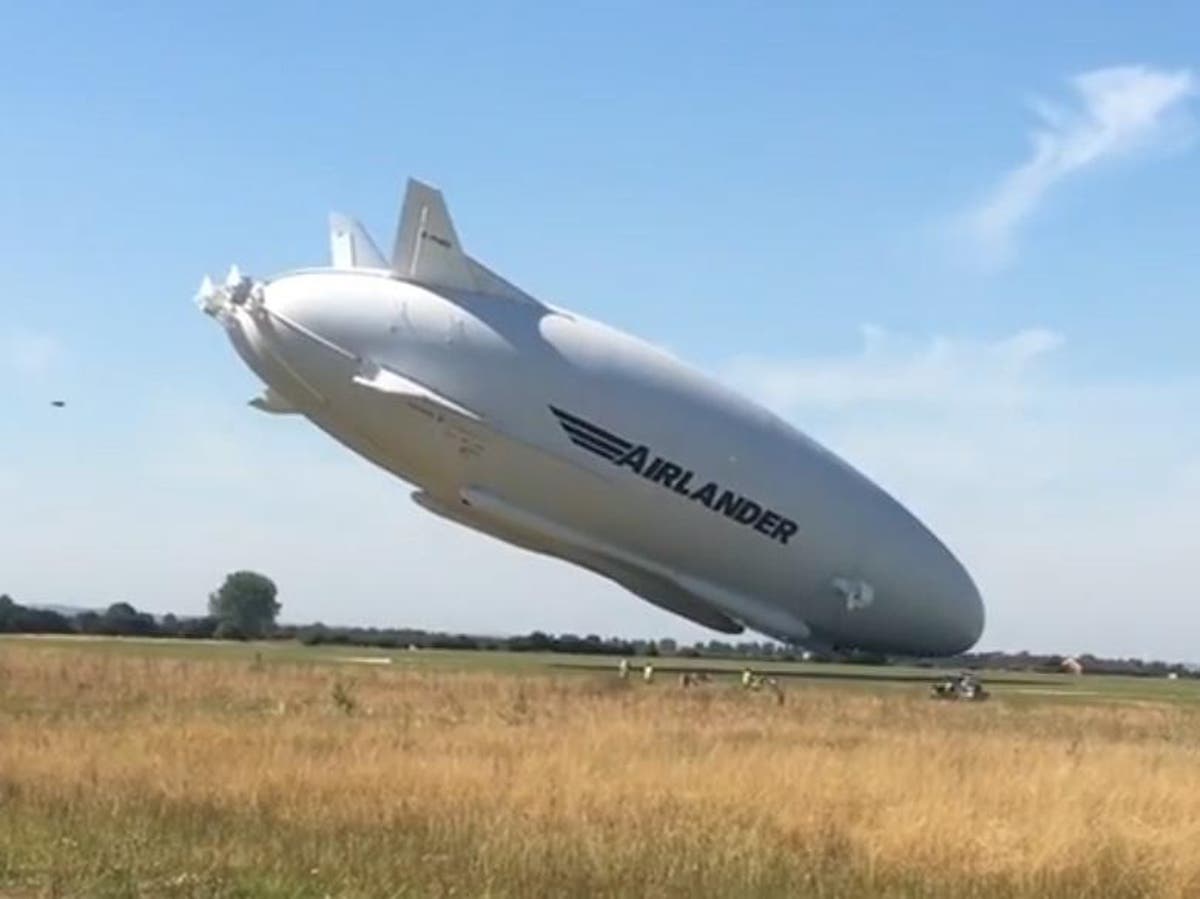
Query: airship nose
{"type": "Point", "coordinates": [307, 316]}
{"type": "Point", "coordinates": [324, 312]}
{"type": "Point", "coordinates": [292, 333]}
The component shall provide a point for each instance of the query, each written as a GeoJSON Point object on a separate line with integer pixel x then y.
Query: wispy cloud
{"type": "Point", "coordinates": [1115, 112]}
{"type": "Point", "coordinates": [29, 353]}
{"type": "Point", "coordinates": [890, 369]}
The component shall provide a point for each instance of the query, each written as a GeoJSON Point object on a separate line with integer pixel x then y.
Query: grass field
{"type": "Point", "coordinates": [171, 769]}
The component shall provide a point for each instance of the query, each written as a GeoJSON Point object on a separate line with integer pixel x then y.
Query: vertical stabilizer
{"type": "Point", "coordinates": [350, 246]}
{"type": "Point", "coordinates": [427, 249]}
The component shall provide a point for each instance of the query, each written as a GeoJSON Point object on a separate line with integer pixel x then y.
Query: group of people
{"type": "Point", "coordinates": [623, 671]}
{"type": "Point", "coordinates": [750, 680]}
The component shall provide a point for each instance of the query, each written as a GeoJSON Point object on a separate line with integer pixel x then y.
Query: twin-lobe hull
{"type": "Point", "coordinates": [563, 436]}
{"type": "Point", "coordinates": [566, 437]}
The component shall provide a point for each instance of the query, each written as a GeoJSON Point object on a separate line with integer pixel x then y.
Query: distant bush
{"type": "Point", "coordinates": [313, 636]}
{"type": "Point", "coordinates": [18, 619]}
{"type": "Point", "coordinates": [192, 628]}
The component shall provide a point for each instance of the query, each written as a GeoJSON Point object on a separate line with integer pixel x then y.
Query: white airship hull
{"type": "Point", "coordinates": [566, 437]}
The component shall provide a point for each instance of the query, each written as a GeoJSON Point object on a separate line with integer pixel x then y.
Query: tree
{"type": "Point", "coordinates": [10, 614]}
{"type": "Point", "coordinates": [17, 619]}
{"type": "Point", "coordinates": [245, 605]}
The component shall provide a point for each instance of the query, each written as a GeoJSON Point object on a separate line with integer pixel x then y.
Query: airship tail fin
{"type": "Point", "coordinates": [427, 249]}
{"type": "Point", "coordinates": [350, 246]}
{"type": "Point", "coordinates": [487, 281]}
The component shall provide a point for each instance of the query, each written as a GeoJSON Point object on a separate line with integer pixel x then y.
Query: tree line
{"type": "Point", "coordinates": [246, 607]}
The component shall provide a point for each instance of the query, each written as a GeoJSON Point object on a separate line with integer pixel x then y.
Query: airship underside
{"type": "Point", "coordinates": [566, 437]}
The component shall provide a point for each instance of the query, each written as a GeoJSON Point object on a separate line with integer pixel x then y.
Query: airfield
{"type": "Point", "coordinates": [187, 768]}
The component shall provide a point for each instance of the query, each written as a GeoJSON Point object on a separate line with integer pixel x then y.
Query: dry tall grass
{"type": "Point", "coordinates": [148, 776]}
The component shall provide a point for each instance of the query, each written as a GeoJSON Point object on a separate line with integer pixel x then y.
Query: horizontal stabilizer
{"type": "Point", "coordinates": [350, 246]}
{"type": "Point", "coordinates": [385, 381]}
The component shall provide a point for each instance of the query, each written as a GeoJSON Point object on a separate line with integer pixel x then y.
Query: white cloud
{"type": "Point", "coordinates": [890, 369]}
{"type": "Point", "coordinates": [1118, 112]}
{"type": "Point", "coordinates": [1072, 501]}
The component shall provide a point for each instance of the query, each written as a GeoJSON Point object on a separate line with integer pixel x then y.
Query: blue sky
{"type": "Point", "coordinates": [955, 244]}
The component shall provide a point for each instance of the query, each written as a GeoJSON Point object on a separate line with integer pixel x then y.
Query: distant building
{"type": "Point", "coordinates": [1072, 665]}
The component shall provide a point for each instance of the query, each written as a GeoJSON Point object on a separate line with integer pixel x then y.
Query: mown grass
{"type": "Point", "coordinates": [1017, 686]}
{"type": "Point", "coordinates": [128, 775]}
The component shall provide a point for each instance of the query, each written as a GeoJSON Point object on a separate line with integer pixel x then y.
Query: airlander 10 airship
{"type": "Point", "coordinates": [566, 437]}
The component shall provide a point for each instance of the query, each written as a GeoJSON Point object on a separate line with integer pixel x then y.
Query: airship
{"type": "Point", "coordinates": [563, 436]}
